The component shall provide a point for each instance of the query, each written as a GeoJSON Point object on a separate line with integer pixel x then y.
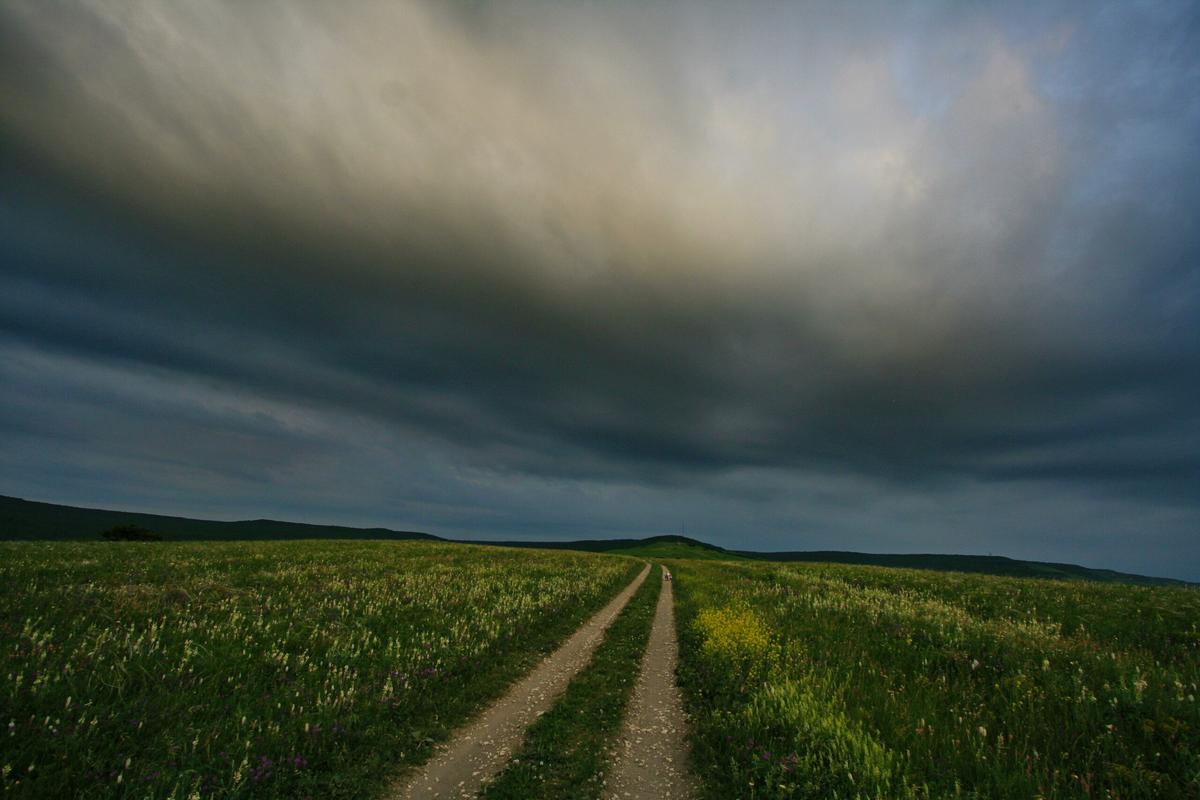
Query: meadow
{"type": "Point", "coordinates": [833, 681]}
{"type": "Point", "coordinates": [324, 669]}
{"type": "Point", "coordinates": [264, 669]}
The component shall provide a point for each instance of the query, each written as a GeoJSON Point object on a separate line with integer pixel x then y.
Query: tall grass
{"type": "Point", "coordinates": [873, 683]}
{"type": "Point", "coordinates": [263, 669]}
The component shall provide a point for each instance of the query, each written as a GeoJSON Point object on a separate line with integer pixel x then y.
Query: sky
{"type": "Point", "coordinates": [885, 277]}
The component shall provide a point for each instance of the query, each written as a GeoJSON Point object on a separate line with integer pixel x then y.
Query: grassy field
{"type": "Point", "coordinates": [303, 669]}
{"type": "Point", "coordinates": [324, 669]}
{"type": "Point", "coordinates": [831, 681]}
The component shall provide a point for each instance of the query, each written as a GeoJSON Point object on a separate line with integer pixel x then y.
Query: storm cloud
{"type": "Point", "coordinates": [885, 276]}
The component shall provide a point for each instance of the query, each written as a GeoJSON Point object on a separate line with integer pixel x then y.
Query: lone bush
{"type": "Point", "coordinates": [131, 533]}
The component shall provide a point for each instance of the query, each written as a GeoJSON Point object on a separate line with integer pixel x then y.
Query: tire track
{"type": "Point", "coordinates": [651, 758]}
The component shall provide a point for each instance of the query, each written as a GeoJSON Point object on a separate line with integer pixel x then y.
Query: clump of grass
{"type": "Point", "coordinates": [795, 743]}
{"type": "Point", "coordinates": [565, 753]}
{"type": "Point", "coordinates": [130, 533]}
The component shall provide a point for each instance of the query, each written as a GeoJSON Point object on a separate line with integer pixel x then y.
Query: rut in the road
{"type": "Point", "coordinates": [479, 750]}
{"type": "Point", "coordinates": [651, 758]}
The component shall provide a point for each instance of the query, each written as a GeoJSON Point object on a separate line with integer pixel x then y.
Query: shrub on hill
{"type": "Point", "coordinates": [131, 533]}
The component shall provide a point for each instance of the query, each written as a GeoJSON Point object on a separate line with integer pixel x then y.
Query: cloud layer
{"type": "Point", "coordinates": [767, 264]}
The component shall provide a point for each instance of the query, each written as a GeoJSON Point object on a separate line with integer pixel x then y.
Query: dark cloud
{"type": "Point", "coordinates": [575, 269]}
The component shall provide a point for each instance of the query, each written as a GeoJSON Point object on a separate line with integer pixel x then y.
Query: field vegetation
{"type": "Point", "coordinates": [324, 669]}
{"type": "Point", "coordinates": [832, 681]}
{"type": "Point", "coordinates": [264, 669]}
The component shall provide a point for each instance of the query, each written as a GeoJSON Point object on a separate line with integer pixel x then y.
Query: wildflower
{"type": "Point", "coordinates": [982, 731]}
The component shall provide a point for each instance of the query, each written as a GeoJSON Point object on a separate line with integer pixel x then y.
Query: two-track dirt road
{"type": "Point", "coordinates": [481, 749]}
{"type": "Point", "coordinates": [650, 756]}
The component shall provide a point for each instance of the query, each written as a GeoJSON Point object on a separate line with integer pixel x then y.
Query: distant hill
{"type": "Point", "coordinates": [669, 546]}
{"type": "Point", "coordinates": [685, 547]}
{"type": "Point", "coordinates": [26, 519]}
{"type": "Point", "coordinates": [988, 565]}
{"type": "Point", "coordinates": [29, 520]}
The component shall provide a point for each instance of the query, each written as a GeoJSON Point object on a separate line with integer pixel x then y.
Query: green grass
{"type": "Point", "coordinates": [565, 753]}
{"type": "Point", "coordinates": [324, 669]}
{"type": "Point", "coordinates": [264, 670]}
{"type": "Point", "coordinates": [831, 681]}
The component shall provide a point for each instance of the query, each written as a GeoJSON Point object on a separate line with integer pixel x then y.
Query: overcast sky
{"type": "Point", "coordinates": [882, 277]}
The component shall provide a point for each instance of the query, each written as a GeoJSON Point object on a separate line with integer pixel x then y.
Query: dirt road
{"type": "Point", "coordinates": [479, 750]}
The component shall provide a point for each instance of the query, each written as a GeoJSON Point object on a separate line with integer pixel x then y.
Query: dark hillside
{"type": "Point", "coordinates": [26, 519]}
{"type": "Point", "coordinates": [609, 545]}
{"type": "Point", "coordinates": [987, 565]}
